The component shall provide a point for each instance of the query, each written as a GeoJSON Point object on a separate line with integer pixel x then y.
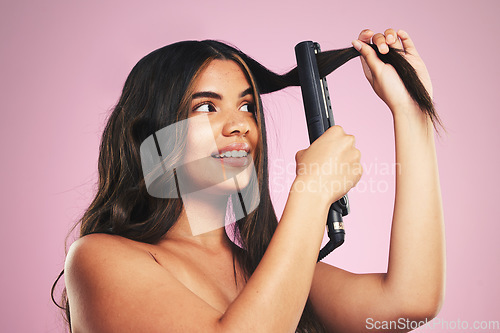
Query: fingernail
{"type": "Point", "coordinates": [357, 45]}
{"type": "Point", "coordinates": [389, 39]}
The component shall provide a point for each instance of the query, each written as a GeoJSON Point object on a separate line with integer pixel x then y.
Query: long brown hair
{"type": "Point", "coordinates": [157, 94]}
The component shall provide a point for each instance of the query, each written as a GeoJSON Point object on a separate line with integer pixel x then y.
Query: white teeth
{"type": "Point", "coordinates": [233, 153]}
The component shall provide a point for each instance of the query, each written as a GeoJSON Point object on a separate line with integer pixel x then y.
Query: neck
{"type": "Point", "coordinates": [202, 221]}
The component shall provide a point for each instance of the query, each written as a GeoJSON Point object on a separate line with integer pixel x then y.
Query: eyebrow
{"type": "Point", "coordinates": [211, 94]}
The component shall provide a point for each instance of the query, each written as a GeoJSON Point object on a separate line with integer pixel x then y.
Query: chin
{"type": "Point", "coordinates": [234, 183]}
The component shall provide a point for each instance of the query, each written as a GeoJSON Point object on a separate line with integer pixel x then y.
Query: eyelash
{"type": "Point", "coordinates": [251, 107]}
{"type": "Point", "coordinates": [197, 106]}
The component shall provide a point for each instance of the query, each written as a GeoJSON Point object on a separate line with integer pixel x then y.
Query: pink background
{"type": "Point", "coordinates": [63, 64]}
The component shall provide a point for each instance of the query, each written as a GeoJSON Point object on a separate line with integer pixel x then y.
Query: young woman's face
{"type": "Point", "coordinates": [221, 119]}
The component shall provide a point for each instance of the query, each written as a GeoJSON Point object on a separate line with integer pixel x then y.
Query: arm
{"type": "Point", "coordinates": [413, 286]}
{"type": "Point", "coordinates": [115, 286]}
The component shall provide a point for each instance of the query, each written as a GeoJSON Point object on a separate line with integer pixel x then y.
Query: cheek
{"type": "Point", "coordinates": [254, 141]}
{"type": "Point", "coordinates": [200, 143]}
{"type": "Point", "coordinates": [256, 134]}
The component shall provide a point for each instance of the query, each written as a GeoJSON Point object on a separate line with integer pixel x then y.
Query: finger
{"type": "Point", "coordinates": [299, 154]}
{"type": "Point", "coordinates": [408, 45]}
{"type": "Point", "coordinates": [369, 55]}
{"type": "Point", "coordinates": [391, 38]}
{"type": "Point", "coordinates": [366, 35]}
{"type": "Point", "coordinates": [379, 40]}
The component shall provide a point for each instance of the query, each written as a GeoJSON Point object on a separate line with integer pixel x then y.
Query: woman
{"type": "Point", "coordinates": [140, 266]}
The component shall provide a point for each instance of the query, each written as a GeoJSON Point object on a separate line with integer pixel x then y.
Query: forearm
{"type": "Point", "coordinates": [416, 270]}
{"type": "Point", "coordinates": [275, 295]}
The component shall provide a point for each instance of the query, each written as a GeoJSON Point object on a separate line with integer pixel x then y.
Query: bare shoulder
{"type": "Point", "coordinates": [99, 246]}
{"type": "Point", "coordinates": [115, 284]}
{"type": "Point", "coordinates": [96, 254]}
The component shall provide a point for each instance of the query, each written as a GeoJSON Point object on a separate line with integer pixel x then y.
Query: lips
{"type": "Point", "coordinates": [237, 162]}
{"type": "Point", "coordinates": [233, 146]}
{"type": "Point", "coordinates": [234, 161]}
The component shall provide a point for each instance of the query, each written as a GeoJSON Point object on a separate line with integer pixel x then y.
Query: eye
{"type": "Point", "coordinates": [204, 107]}
{"type": "Point", "coordinates": [249, 107]}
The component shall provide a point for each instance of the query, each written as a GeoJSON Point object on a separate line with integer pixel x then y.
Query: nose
{"type": "Point", "coordinates": [236, 123]}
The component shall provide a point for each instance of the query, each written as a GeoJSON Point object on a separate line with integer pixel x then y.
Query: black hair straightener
{"type": "Point", "coordinates": [319, 117]}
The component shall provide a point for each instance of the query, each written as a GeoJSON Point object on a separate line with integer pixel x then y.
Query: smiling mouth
{"type": "Point", "coordinates": [234, 161]}
{"type": "Point", "coordinates": [231, 153]}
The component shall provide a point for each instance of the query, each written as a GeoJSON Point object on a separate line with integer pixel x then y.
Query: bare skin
{"type": "Point", "coordinates": [185, 283]}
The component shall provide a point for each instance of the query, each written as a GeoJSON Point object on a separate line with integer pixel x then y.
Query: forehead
{"type": "Point", "coordinates": [222, 74]}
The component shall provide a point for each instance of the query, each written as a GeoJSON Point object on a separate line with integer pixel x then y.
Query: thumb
{"type": "Point", "coordinates": [369, 57]}
{"type": "Point", "coordinates": [298, 165]}
{"type": "Point", "coordinates": [298, 155]}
